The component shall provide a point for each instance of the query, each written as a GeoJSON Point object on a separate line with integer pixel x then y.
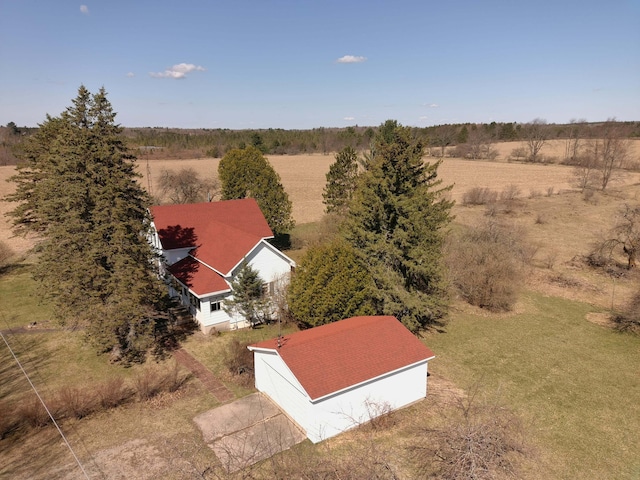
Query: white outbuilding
{"type": "Point", "coordinates": [335, 377]}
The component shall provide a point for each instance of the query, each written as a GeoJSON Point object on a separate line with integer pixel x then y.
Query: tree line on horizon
{"type": "Point", "coordinates": [160, 142]}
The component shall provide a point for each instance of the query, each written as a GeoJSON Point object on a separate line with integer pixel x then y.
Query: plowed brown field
{"type": "Point", "coordinates": [303, 177]}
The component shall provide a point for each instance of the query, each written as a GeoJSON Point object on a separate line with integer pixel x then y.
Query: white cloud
{"type": "Point", "coordinates": [351, 59]}
{"type": "Point", "coordinates": [349, 118]}
{"type": "Point", "coordinates": [433, 105]}
{"type": "Point", "coordinates": [84, 9]}
{"type": "Point", "coordinates": [131, 74]}
{"type": "Point", "coordinates": [423, 117]}
{"type": "Point", "coordinates": [178, 71]}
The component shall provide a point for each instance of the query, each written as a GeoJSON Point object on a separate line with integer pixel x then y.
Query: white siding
{"type": "Point", "coordinates": [348, 409]}
{"type": "Point", "coordinates": [335, 414]}
{"type": "Point", "coordinates": [268, 261]}
{"type": "Point", "coordinates": [173, 256]}
{"type": "Point", "coordinates": [271, 264]}
{"type": "Point", "coordinates": [275, 379]}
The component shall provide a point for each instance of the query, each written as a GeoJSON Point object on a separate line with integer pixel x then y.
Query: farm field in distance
{"type": "Point", "coordinates": [554, 359]}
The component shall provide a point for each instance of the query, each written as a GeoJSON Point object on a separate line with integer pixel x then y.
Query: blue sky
{"type": "Point", "coordinates": [304, 64]}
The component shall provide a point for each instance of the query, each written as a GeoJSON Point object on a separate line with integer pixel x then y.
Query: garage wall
{"type": "Point", "coordinates": [350, 408]}
{"type": "Point", "coordinates": [274, 378]}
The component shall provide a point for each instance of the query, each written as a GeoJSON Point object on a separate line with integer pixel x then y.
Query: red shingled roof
{"type": "Point", "coordinates": [199, 278]}
{"type": "Point", "coordinates": [223, 232]}
{"type": "Point", "coordinates": [338, 355]}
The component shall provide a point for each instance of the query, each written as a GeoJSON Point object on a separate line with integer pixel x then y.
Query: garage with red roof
{"type": "Point", "coordinates": [334, 377]}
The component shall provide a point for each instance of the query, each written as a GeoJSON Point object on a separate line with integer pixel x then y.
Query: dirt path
{"type": "Point", "coordinates": [211, 383]}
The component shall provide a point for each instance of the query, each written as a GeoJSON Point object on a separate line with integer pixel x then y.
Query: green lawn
{"type": "Point", "coordinates": [20, 303]}
{"type": "Point", "coordinates": [576, 384]}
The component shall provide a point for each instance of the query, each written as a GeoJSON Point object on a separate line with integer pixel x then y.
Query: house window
{"type": "Point", "coordinates": [268, 289]}
{"type": "Point", "coordinates": [215, 306]}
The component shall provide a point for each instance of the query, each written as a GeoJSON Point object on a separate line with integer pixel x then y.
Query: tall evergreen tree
{"type": "Point", "coordinates": [396, 225]}
{"type": "Point", "coordinates": [77, 190]}
{"type": "Point", "coordinates": [247, 173]}
{"type": "Point", "coordinates": [330, 284]}
{"type": "Point", "coordinates": [341, 181]}
{"type": "Point", "coordinates": [248, 298]}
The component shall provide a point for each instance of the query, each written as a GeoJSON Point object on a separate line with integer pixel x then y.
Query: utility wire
{"type": "Point", "coordinates": [45, 406]}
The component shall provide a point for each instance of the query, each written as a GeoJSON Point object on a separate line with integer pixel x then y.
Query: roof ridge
{"type": "Point", "coordinates": [332, 329]}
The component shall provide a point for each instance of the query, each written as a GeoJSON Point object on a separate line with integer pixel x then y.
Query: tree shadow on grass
{"type": "Point", "coordinates": [14, 268]}
{"type": "Point", "coordinates": [48, 457]}
{"type": "Point", "coordinates": [33, 356]}
{"type": "Point", "coordinates": [172, 328]}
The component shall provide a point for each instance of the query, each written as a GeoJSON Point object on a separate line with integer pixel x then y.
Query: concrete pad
{"type": "Point", "coordinates": [235, 416]}
{"type": "Point", "coordinates": [247, 431]}
{"type": "Point", "coordinates": [258, 442]}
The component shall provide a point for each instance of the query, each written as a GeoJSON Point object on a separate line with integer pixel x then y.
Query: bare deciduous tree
{"type": "Point", "coordinates": [476, 441]}
{"type": "Point", "coordinates": [535, 135]}
{"type": "Point", "coordinates": [585, 173]}
{"type": "Point", "coordinates": [611, 152]}
{"type": "Point", "coordinates": [575, 141]}
{"type": "Point", "coordinates": [481, 144]}
{"type": "Point", "coordinates": [444, 136]}
{"type": "Point", "coordinates": [625, 234]}
{"type": "Point", "coordinates": [185, 186]}
{"type": "Point", "coordinates": [601, 160]}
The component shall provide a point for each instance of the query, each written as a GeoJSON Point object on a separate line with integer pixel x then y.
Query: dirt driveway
{"type": "Point", "coordinates": [247, 431]}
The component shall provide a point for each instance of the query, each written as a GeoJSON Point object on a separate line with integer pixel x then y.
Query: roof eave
{"type": "Point", "coordinates": [356, 385]}
{"type": "Point", "coordinates": [202, 295]}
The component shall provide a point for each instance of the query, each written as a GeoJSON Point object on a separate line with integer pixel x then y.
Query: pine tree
{"type": "Point", "coordinates": [396, 226]}
{"type": "Point", "coordinates": [247, 173]}
{"type": "Point", "coordinates": [248, 298]}
{"type": "Point", "coordinates": [77, 190]}
{"type": "Point", "coordinates": [330, 284]}
{"type": "Point", "coordinates": [341, 181]}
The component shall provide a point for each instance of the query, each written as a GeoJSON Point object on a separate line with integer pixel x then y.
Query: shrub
{"type": "Point", "coordinates": [479, 196]}
{"type": "Point", "coordinates": [112, 393]}
{"type": "Point", "coordinates": [75, 402]}
{"type": "Point", "coordinates": [535, 193]}
{"type": "Point", "coordinates": [487, 264]}
{"type": "Point", "coordinates": [629, 319]}
{"type": "Point", "coordinates": [541, 219]}
{"type": "Point", "coordinates": [510, 193]}
{"type": "Point", "coordinates": [32, 412]}
{"type": "Point", "coordinates": [589, 196]}
{"type": "Point", "coordinates": [550, 259]}
{"type": "Point", "coordinates": [519, 153]}
{"type": "Point", "coordinates": [238, 358]}
{"type": "Point", "coordinates": [174, 378]}
{"type": "Point", "coordinates": [147, 383]}
{"type": "Point", "coordinates": [476, 441]}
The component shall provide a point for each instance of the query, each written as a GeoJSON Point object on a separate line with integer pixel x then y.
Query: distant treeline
{"type": "Point", "coordinates": [156, 142]}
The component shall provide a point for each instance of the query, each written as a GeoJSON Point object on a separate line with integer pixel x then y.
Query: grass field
{"type": "Point", "coordinates": [575, 383]}
{"type": "Point", "coordinates": [573, 380]}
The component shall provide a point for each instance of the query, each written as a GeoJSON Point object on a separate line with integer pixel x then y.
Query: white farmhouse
{"type": "Point", "coordinates": [203, 246]}
{"type": "Point", "coordinates": [332, 378]}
